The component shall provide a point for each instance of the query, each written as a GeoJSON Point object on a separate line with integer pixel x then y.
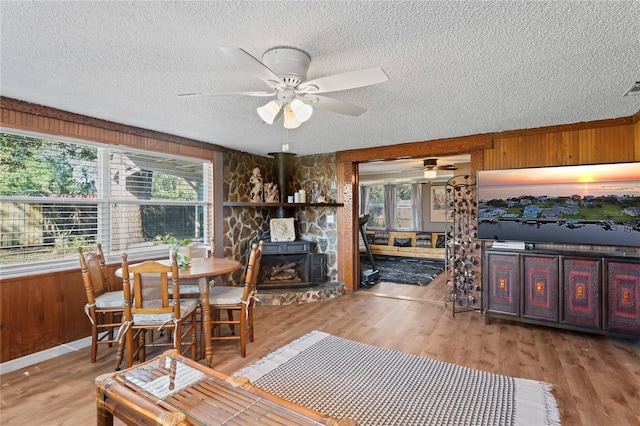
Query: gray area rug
{"type": "Point", "coordinates": [378, 386]}
{"type": "Point", "coordinates": [405, 270]}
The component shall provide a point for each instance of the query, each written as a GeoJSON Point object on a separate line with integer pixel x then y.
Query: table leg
{"type": "Point", "coordinates": [206, 319]}
{"type": "Point", "coordinates": [104, 416]}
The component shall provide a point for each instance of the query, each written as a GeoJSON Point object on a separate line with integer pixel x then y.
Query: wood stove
{"type": "Point", "coordinates": [291, 264]}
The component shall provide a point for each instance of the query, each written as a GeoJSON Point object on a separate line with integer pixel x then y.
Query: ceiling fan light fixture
{"type": "Point", "coordinates": [430, 174]}
{"type": "Point", "coordinates": [290, 121]}
{"type": "Point", "coordinates": [269, 112]}
{"type": "Point", "coordinates": [301, 111]}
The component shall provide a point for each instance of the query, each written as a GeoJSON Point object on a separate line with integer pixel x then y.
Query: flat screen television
{"type": "Point", "coordinates": [586, 204]}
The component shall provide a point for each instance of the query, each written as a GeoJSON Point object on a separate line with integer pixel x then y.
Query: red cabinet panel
{"type": "Point", "coordinates": [540, 287]}
{"type": "Point", "coordinates": [503, 283]}
{"type": "Point", "coordinates": [581, 298]}
{"type": "Point", "coordinates": [623, 296]}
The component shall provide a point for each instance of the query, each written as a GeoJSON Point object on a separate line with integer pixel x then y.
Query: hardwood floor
{"type": "Point", "coordinates": [596, 379]}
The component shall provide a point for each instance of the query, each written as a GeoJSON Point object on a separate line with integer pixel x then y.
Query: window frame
{"type": "Point", "coordinates": [394, 205]}
{"type": "Point", "coordinates": [407, 206]}
{"type": "Point", "coordinates": [104, 201]}
{"type": "Point", "coordinates": [377, 204]}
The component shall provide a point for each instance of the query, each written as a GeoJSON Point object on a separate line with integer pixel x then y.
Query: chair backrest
{"type": "Point", "coordinates": [153, 291]}
{"type": "Point", "coordinates": [94, 274]}
{"type": "Point", "coordinates": [253, 270]}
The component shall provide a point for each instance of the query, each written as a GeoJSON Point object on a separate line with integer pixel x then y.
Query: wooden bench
{"type": "Point", "coordinates": [419, 244]}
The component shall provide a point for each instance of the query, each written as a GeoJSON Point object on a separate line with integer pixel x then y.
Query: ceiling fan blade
{"type": "Point", "coordinates": [255, 66]}
{"type": "Point", "coordinates": [344, 81]}
{"type": "Point", "coordinates": [333, 105]}
{"type": "Point", "coordinates": [204, 95]}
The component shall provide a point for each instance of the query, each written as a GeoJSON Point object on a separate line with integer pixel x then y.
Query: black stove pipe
{"type": "Point", "coordinates": [284, 180]}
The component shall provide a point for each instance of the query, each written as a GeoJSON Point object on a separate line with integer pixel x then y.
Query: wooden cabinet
{"type": "Point", "coordinates": [586, 292]}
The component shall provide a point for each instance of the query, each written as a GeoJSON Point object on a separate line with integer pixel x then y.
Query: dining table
{"type": "Point", "coordinates": [204, 270]}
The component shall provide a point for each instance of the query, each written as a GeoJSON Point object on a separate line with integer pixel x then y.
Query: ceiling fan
{"type": "Point", "coordinates": [431, 167]}
{"type": "Point", "coordinates": [284, 70]}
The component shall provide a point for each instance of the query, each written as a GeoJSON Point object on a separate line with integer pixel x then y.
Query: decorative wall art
{"type": "Point", "coordinates": [283, 230]}
{"type": "Point", "coordinates": [438, 203]}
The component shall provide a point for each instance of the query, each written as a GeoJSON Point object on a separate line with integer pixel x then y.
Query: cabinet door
{"type": "Point", "coordinates": [623, 296]}
{"type": "Point", "coordinates": [540, 287]}
{"type": "Point", "coordinates": [581, 294]}
{"type": "Point", "coordinates": [317, 265]}
{"type": "Point", "coordinates": [503, 283]}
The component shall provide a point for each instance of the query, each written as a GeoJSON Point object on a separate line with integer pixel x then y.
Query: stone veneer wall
{"type": "Point", "coordinates": [317, 174]}
{"type": "Point", "coordinates": [243, 225]}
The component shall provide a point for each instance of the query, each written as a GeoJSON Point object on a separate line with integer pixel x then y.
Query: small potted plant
{"type": "Point", "coordinates": [181, 247]}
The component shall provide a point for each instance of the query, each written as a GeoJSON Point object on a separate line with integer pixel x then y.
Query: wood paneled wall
{"type": "Point", "coordinates": [43, 311]}
{"type": "Point", "coordinates": [49, 121]}
{"type": "Point", "coordinates": [636, 133]}
{"type": "Point", "coordinates": [562, 146]}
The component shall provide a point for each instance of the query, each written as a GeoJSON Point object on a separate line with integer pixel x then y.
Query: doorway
{"type": "Point", "coordinates": [404, 199]}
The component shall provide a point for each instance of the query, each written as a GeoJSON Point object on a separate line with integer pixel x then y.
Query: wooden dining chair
{"type": "Point", "coordinates": [153, 303]}
{"type": "Point", "coordinates": [104, 307]}
{"type": "Point", "coordinates": [236, 298]}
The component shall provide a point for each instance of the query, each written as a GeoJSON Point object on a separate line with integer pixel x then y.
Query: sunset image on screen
{"type": "Point", "coordinates": [593, 204]}
{"type": "Point", "coordinates": [550, 180]}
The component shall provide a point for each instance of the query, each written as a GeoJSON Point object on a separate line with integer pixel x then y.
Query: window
{"type": "Point", "coordinates": [376, 207]}
{"type": "Point", "coordinates": [403, 207]}
{"type": "Point", "coordinates": [56, 196]}
{"type": "Point", "coordinates": [403, 213]}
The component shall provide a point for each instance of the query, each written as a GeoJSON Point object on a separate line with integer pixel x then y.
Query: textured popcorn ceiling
{"type": "Point", "coordinates": [455, 68]}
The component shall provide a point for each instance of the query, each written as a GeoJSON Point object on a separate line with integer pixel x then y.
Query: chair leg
{"type": "Point", "coordinates": [202, 342]}
{"type": "Point", "coordinates": [243, 334]}
{"type": "Point", "coordinates": [231, 326]}
{"type": "Point", "coordinates": [177, 342]}
{"type": "Point", "coordinates": [94, 342]}
{"type": "Point", "coordinates": [129, 346]}
{"type": "Point", "coordinates": [142, 337]}
{"type": "Point", "coordinates": [250, 310]}
{"type": "Point", "coordinates": [194, 335]}
{"type": "Point", "coordinates": [120, 353]}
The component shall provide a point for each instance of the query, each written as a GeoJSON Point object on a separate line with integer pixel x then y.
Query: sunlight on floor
{"type": "Point", "coordinates": [432, 293]}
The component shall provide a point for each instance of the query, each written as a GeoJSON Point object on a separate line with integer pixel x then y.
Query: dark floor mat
{"type": "Point", "coordinates": [405, 270]}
